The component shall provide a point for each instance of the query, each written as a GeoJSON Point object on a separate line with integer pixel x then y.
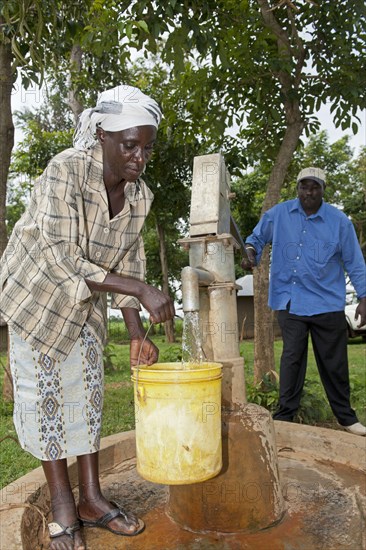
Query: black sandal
{"type": "Point", "coordinates": [56, 529]}
{"type": "Point", "coordinates": [104, 520]}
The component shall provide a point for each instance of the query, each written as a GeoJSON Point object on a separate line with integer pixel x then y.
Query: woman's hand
{"type": "Point", "coordinates": [159, 305]}
{"type": "Point", "coordinates": [142, 350]}
{"type": "Point", "coordinates": [149, 352]}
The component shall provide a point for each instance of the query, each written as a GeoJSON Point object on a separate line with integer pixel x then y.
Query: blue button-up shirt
{"type": "Point", "coordinates": [310, 255]}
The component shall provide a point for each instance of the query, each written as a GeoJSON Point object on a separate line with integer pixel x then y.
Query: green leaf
{"type": "Point", "coordinates": [128, 29]}
{"type": "Point", "coordinates": [143, 25]}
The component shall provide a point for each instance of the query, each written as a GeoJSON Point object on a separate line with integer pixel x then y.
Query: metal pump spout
{"type": "Point", "coordinates": [192, 279]}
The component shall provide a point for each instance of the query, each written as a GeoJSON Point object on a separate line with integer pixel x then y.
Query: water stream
{"type": "Point", "coordinates": [192, 352]}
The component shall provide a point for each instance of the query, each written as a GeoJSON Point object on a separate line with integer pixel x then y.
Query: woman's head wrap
{"type": "Point", "coordinates": [117, 109]}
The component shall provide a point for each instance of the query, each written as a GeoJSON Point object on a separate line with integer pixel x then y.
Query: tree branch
{"type": "Point", "coordinates": [75, 68]}
{"type": "Point", "coordinates": [271, 22]}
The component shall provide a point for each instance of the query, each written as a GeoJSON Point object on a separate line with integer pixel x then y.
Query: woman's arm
{"type": "Point", "coordinates": [133, 323]}
{"type": "Point", "coordinates": [159, 305]}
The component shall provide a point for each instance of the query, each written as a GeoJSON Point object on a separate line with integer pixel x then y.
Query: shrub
{"type": "Point", "coordinates": [314, 407]}
{"type": "Point", "coordinates": [264, 393]}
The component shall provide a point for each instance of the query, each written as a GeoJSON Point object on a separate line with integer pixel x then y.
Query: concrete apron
{"type": "Point", "coordinates": [323, 480]}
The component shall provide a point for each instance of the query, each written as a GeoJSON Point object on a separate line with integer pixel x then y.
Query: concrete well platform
{"type": "Point", "coordinates": [323, 478]}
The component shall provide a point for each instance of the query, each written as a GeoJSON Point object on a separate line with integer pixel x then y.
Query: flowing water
{"type": "Point", "coordinates": [192, 352]}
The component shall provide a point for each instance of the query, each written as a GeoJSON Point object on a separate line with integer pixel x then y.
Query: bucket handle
{"type": "Point", "coordinates": [138, 362]}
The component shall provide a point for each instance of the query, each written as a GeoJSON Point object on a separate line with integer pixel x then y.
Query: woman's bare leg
{"type": "Point", "coordinates": [92, 504]}
{"type": "Point", "coordinates": [62, 504]}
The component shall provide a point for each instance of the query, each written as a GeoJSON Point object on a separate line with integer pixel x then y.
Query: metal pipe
{"type": "Point", "coordinates": [192, 279]}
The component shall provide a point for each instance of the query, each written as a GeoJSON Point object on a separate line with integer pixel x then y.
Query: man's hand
{"type": "Point", "coordinates": [149, 352]}
{"type": "Point", "coordinates": [361, 312]}
{"type": "Point", "coordinates": [249, 261]}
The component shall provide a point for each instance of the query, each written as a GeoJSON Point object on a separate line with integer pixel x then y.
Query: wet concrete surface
{"type": "Point", "coordinates": [325, 511]}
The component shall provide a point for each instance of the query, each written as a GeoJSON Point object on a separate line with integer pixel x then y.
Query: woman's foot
{"type": "Point", "coordinates": [91, 512]}
{"type": "Point", "coordinates": [64, 516]}
{"type": "Point", "coordinates": [63, 507]}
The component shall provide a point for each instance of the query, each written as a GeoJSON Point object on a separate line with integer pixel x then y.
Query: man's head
{"type": "Point", "coordinates": [310, 189]}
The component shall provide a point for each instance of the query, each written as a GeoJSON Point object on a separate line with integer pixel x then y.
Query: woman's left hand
{"type": "Point", "coordinates": [149, 352]}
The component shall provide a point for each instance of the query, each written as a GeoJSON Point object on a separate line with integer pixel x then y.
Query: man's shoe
{"type": "Point", "coordinates": [356, 429]}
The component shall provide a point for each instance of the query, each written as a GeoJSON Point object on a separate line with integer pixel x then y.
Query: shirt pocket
{"type": "Point", "coordinates": [323, 253]}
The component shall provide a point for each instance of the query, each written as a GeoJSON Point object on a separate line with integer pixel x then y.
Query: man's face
{"type": "Point", "coordinates": [310, 194]}
{"type": "Point", "coordinates": [127, 152]}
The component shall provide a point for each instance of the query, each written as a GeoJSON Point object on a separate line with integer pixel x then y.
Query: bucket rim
{"type": "Point", "coordinates": [212, 365]}
{"type": "Point", "coordinates": [176, 381]}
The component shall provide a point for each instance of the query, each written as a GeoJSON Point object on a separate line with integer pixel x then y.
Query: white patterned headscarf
{"type": "Point", "coordinates": [117, 109]}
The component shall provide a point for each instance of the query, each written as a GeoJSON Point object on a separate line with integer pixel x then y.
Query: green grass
{"type": "Point", "coordinates": [118, 414]}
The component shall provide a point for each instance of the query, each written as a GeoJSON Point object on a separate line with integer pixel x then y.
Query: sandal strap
{"type": "Point", "coordinates": [104, 520]}
{"type": "Point", "coordinates": [117, 512]}
{"type": "Point", "coordinates": [56, 529]}
{"type": "Point", "coordinates": [121, 510]}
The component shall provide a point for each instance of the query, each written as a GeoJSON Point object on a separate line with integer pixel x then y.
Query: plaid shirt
{"type": "Point", "coordinates": [64, 237]}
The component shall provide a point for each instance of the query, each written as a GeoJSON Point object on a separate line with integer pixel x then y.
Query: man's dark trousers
{"type": "Point", "coordinates": [329, 337]}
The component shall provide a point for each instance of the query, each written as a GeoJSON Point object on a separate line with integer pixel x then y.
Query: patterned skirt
{"type": "Point", "coordinates": [58, 404]}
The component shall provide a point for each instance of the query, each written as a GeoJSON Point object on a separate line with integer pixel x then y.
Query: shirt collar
{"type": "Point", "coordinates": [94, 169]}
{"type": "Point", "coordinates": [133, 192]}
{"type": "Point", "coordinates": [96, 153]}
{"type": "Point", "coordinates": [319, 214]}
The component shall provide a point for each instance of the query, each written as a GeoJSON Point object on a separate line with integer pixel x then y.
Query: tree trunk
{"type": "Point", "coordinates": [75, 68]}
{"type": "Point", "coordinates": [168, 325]}
{"type": "Point", "coordinates": [264, 360]}
{"type": "Point", "coordinates": [7, 79]}
{"type": "Point", "coordinates": [263, 317]}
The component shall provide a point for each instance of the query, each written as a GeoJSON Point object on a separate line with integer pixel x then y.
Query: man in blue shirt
{"type": "Point", "coordinates": [313, 245]}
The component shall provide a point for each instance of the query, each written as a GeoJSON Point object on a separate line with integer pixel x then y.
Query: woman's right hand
{"type": "Point", "coordinates": [159, 305]}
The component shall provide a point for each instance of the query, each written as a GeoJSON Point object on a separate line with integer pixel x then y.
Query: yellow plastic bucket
{"type": "Point", "coordinates": [178, 422]}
